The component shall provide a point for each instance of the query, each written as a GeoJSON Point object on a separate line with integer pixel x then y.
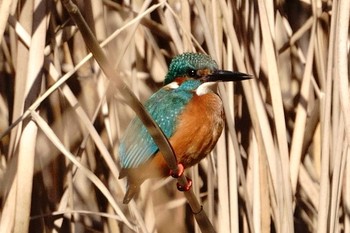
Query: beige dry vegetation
{"type": "Point", "coordinates": [280, 166]}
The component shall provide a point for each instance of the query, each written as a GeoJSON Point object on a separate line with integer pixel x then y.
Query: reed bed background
{"type": "Point", "coordinates": [280, 166]}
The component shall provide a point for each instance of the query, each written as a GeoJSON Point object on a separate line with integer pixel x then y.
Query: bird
{"type": "Point", "coordinates": [189, 112]}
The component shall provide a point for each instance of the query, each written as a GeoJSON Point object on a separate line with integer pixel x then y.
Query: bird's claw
{"type": "Point", "coordinates": [185, 188]}
{"type": "Point", "coordinates": [178, 172]}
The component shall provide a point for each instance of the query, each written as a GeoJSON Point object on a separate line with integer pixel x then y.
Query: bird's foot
{"type": "Point", "coordinates": [178, 172]}
{"type": "Point", "coordinates": [185, 188]}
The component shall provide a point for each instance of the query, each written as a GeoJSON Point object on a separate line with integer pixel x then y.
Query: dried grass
{"type": "Point", "coordinates": [280, 166]}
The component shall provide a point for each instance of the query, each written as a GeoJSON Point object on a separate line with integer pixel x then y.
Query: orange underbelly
{"type": "Point", "coordinates": [197, 131]}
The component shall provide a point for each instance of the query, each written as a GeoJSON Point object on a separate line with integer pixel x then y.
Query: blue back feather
{"type": "Point", "coordinates": [137, 146]}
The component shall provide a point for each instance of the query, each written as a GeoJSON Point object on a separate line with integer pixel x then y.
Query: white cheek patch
{"type": "Point", "coordinates": [206, 88]}
{"type": "Point", "coordinates": [172, 85]}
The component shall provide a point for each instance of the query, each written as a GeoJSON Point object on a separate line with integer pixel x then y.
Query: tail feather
{"type": "Point", "coordinates": [131, 191]}
{"type": "Point", "coordinates": [135, 177]}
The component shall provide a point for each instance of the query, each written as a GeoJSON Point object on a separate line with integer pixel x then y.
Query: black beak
{"type": "Point", "coordinates": [226, 76]}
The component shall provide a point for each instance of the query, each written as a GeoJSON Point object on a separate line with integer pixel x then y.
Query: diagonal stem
{"type": "Point", "coordinates": [153, 129]}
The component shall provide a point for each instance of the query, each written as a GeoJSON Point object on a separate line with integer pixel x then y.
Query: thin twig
{"type": "Point", "coordinates": [152, 127]}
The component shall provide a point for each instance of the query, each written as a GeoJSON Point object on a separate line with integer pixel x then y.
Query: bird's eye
{"type": "Point", "coordinates": [192, 73]}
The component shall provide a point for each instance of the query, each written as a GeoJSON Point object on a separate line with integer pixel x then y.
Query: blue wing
{"type": "Point", "coordinates": [137, 146]}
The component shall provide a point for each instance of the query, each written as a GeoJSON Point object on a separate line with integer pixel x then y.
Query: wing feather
{"type": "Point", "coordinates": [137, 146]}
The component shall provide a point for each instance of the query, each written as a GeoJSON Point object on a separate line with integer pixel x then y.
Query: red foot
{"type": "Point", "coordinates": [178, 172]}
{"type": "Point", "coordinates": [185, 188]}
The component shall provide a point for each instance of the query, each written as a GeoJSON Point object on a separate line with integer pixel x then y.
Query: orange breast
{"type": "Point", "coordinates": [197, 131]}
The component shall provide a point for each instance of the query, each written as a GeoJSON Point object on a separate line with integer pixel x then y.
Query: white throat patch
{"type": "Point", "coordinates": [206, 88]}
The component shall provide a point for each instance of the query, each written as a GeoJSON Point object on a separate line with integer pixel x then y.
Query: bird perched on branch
{"type": "Point", "coordinates": [190, 114]}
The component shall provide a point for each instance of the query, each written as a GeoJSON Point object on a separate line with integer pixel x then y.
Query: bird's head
{"type": "Point", "coordinates": [201, 67]}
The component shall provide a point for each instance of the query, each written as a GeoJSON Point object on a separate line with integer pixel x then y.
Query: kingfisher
{"type": "Point", "coordinates": [189, 112]}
